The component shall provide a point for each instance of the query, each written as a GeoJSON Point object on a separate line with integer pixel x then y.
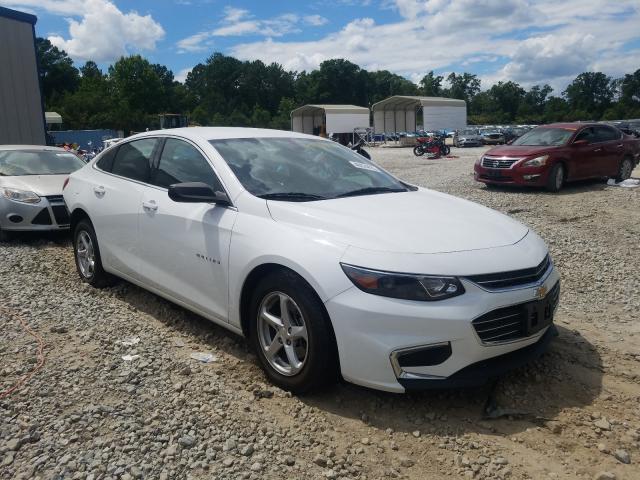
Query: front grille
{"type": "Point", "coordinates": [514, 278]}
{"type": "Point", "coordinates": [42, 218]}
{"type": "Point", "coordinates": [61, 215]}
{"type": "Point", "coordinates": [489, 162]}
{"type": "Point", "coordinates": [517, 321]}
{"type": "Point", "coordinates": [496, 178]}
{"type": "Point", "coordinates": [55, 198]}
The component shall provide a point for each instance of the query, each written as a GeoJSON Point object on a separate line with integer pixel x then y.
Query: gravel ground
{"type": "Point", "coordinates": [120, 395]}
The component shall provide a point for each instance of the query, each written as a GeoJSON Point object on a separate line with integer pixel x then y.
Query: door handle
{"type": "Point", "coordinates": [150, 206]}
{"type": "Point", "coordinates": [619, 146]}
{"type": "Point", "coordinates": [99, 190]}
{"type": "Point", "coordinates": [597, 150]}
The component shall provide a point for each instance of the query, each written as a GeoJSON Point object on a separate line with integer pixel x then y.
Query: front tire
{"type": "Point", "coordinates": [87, 256]}
{"type": "Point", "coordinates": [625, 169]}
{"type": "Point", "coordinates": [418, 151]}
{"type": "Point", "coordinates": [291, 333]}
{"type": "Point", "coordinates": [556, 178]}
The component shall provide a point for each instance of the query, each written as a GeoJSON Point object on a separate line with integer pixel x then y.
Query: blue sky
{"type": "Point", "coordinates": [528, 41]}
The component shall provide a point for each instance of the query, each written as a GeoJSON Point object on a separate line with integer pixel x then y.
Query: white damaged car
{"type": "Point", "coordinates": [328, 264]}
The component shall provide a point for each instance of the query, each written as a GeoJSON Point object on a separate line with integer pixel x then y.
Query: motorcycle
{"type": "Point", "coordinates": [433, 147]}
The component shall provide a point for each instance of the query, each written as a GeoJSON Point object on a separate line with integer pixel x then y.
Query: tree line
{"type": "Point", "coordinates": [226, 91]}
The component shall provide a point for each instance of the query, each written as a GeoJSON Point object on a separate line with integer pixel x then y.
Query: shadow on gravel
{"type": "Point", "coordinates": [593, 185]}
{"type": "Point", "coordinates": [569, 375]}
{"type": "Point", "coordinates": [38, 238]}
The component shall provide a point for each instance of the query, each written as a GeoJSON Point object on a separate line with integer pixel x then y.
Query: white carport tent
{"type": "Point", "coordinates": [334, 118]}
{"type": "Point", "coordinates": [52, 118]}
{"type": "Point", "coordinates": [399, 114]}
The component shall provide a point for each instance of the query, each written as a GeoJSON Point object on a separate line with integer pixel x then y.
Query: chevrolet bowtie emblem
{"type": "Point", "coordinates": [541, 292]}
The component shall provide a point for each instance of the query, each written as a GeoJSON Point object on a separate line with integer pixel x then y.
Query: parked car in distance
{"type": "Point", "coordinates": [510, 134]}
{"type": "Point", "coordinates": [492, 137]}
{"type": "Point", "coordinates": [31, 178]}
{"type": "Point", "coordinates": [551, 155]}
{"type": "Point", "coordinates": [469, 137]}
{"type": "Point", "coordinates": [327, 263]}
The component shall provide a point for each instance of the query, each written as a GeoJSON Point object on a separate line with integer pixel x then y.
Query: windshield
{"type": "Point", "coordinates": [468, 132]}
{"type": "Point", "coordinates": [300, 169]}
{"type": "Point", "coordinates": [544, 136]}
{"type": "Point", "coordinates": [34, 162]}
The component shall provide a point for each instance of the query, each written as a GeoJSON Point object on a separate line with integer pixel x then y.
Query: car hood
{"type": "Point", "coordinates": [421, 221]}
{"type": "Point", "coordinates": [43, 185]}
{"type": "Point", "coordinates": [517, 150]}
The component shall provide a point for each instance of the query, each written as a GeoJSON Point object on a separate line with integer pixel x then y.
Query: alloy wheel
{"type": "Point", "coordinates": [85, 254]}
{"type": "Point", "coordinates": [282, 333]}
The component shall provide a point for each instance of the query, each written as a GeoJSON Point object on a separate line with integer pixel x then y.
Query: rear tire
{"type": "Point", "coordinates": [296, 349]}
{"type": "Point", "coordinates": [625, 169]}
{"type": "Point", "coordinates": [556, 178]}
{"type": "Point", "coordinates": [445, 150]}
{"type": "Point", "coordinates": [87, 256]}
{"type": "Point", "coordinates": [418, 151]}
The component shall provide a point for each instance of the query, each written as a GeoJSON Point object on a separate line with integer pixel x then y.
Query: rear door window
{"type": "Point", "coordinates": [181, 162]}
{"type": "Point", "coordinates": [105, 162]}
{"type": "Point", "coordinates": [606, 134]}
{"type": "Point", "coordinates": [133, 159]}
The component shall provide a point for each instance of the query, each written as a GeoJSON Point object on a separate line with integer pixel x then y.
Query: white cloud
{"type": "Point", "coordinates": [240, 22]}
{"type": "Point", "coordinates": [195, 43]}
{"type": "Point", "coordinates": [315, 20]}
{"type": "Point", "coordinates": [103, 32]}
{"type": "Point", "coordinates": [541, 41]}
{"type": "Point", "coordinates": [181, 76]}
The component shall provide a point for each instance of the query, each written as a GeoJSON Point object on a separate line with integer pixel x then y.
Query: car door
{"type": "Point", "coordinates": [584, 156]}
{"type": "Point", "coordinates": [612, 149]}
{"type": "Point", "coordinates": [116, 194]}
{"type": "Point", "coordinates": [185, 246]}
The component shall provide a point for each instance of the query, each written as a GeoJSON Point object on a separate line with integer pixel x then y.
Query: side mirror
{"type": "Point", "coordinates": [510, 141]}
{"type": "Point", "coordinates": [580, 143]}
{"type": "Point", "coordinates": [197, 192]}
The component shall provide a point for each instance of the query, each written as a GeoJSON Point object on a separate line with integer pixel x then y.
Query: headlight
{"type": "Point", "coordinates": [22, 196]}
{"type": "Point", "coordinates": [536, 162]}
{"type": "Point", "coordinates": [425, 288]}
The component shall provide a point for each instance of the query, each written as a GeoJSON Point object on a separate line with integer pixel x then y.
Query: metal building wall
{"type": "Point", "coordinates": [21, 114]}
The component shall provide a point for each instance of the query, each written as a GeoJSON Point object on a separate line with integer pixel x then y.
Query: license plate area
{"type": "Point", "coordinates": [540, 313]}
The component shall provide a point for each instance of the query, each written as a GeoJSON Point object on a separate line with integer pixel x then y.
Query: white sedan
{"type": "Point", "coordinates": [328, 264]}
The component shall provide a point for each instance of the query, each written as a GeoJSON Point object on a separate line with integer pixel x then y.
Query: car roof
{"type": "Point", "coordinates": [40, 148]}
{"type": "Point", "coordinates": [219, 133]}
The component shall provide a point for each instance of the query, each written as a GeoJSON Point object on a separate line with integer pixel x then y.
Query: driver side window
{"type": "Point", "coordinates": [586, 134]}
{"type": "Point", "coordinates": [181, 162]}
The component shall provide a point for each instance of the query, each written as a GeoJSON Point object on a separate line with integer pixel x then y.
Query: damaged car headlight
{"type": "Point", "coordinates": [22, 196]}
{"type": "Point", "coordinates": [406, 286]}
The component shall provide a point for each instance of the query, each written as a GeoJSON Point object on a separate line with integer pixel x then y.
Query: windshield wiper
{"type": "Point", "coordinates": [292, 196]}
{"type": "Point", "coordinates": [371, 190]}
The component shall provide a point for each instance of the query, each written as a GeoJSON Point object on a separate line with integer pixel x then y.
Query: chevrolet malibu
{"type": "Point", "coordinates": [328, 264]}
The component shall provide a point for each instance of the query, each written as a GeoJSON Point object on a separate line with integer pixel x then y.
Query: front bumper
{"type": "Point", "coordinates": [49, 214]}
{"type": "Point", "coordinates": [531, 176]}
{"type": "Point", "coordinates": [370, 329]}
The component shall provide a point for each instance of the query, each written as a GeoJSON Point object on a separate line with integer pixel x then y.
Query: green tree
{"type": "Point", "coordinates": [431, 85]}
{"type": "Point", "coordinates": [57, 73]}
{"type": "Point", "coordinates": [507, 97]}
{"type": "Point", "coordinates": [462, 86]}
{"type": "Point", "coordinates": [589, 94]}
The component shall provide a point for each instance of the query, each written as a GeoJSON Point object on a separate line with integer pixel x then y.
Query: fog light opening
{"type": "Point", "coordinates": [15, 218]}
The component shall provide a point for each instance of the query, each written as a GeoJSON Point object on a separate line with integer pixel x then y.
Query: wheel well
{"type": "Point", "coordinates": [77, 215]}
{"type": "Point", "coordinates": [250, 283]}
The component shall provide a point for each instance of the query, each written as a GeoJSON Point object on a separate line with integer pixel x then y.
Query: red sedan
{"type": "Point", "coordinates": [550, 155]}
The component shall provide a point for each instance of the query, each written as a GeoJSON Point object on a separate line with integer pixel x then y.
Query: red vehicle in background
{"type": "Point", "coordinates": [550, 155]}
